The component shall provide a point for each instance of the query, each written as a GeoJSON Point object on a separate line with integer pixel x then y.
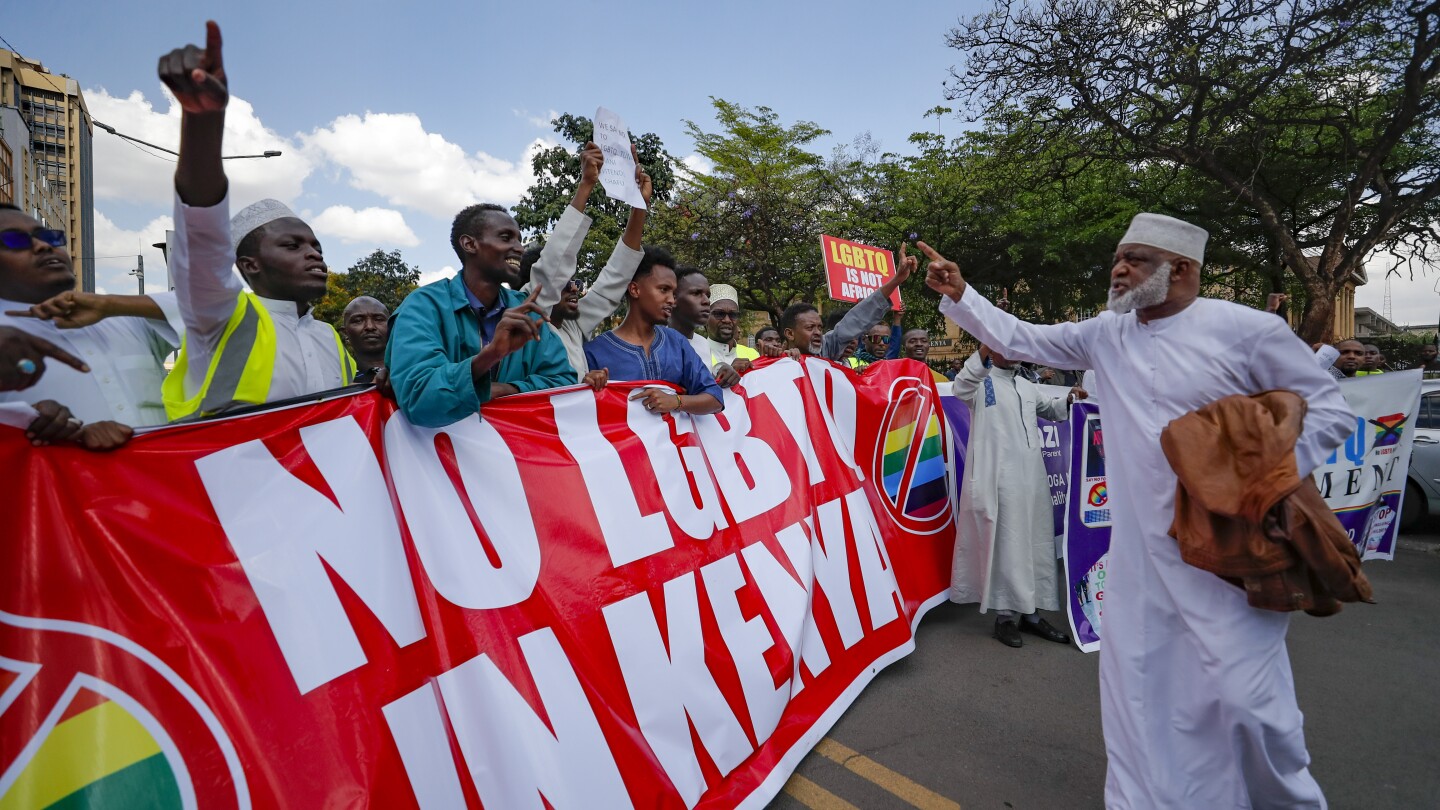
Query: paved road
{"type": "Point", "coordinates": [966, 722]}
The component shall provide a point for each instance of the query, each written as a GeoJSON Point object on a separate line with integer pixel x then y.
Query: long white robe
{"type": "Point", "coordinates": [1197, 698]}
{"type": "Point", "coordinates": [1005, 539]}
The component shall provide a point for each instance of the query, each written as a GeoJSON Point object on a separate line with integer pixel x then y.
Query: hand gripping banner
{"type": "Point", "coordinates": [571, 602]}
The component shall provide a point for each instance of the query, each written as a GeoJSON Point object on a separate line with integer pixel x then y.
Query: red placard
{"type": "Point", "coordinates": [570, 602]}
{"type": "Point", "coordinates": [853, 271]}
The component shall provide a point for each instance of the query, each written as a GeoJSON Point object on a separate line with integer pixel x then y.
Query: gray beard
{"type": "Point", "coordinates": [1152, 292]}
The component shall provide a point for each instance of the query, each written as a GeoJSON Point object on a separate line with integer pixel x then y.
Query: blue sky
{"type": "Point", "coordinates": [392, 117]}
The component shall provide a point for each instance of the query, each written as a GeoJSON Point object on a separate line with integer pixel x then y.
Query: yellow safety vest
{"type": "Point", "coordinates": [240, 368]}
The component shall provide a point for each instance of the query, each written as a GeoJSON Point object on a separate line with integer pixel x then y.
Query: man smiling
{"type": "Point", "coordinates": [460, 342]}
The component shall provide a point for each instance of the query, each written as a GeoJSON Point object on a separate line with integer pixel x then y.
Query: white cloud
{"type": "Point", "coordinates": [373, 227]}
{"type": "Point", "coordinates": [124, 171]}
{"type": "Point", "coordinates": [392, 155]}
{"type": "Point", "coordinates": [436, 275]}
{"type": "Point", "coordinates": [698, 163]}
{"type": "Point", "coordinates": [112, 275]}
{"type": "Point", "coordinates": [543, 122]}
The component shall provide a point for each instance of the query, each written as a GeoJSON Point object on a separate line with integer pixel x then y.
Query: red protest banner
{"type": "Point", "coordinates": [853, 271]}
{"type": "Point", "coordinates": [326, 606]}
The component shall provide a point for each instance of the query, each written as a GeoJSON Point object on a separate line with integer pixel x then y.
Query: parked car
{"type": "Point", "coordinates": [1422, 489]}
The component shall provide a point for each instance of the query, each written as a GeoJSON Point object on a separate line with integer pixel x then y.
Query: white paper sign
{"type": "Point", "coordinates": [618, 176]}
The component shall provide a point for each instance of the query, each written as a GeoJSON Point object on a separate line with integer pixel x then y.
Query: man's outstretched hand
{"type": "Point", "coordinates": [942, 276]}
{"type": "Point", "coordinates": [197, 75]}
{"type": "Point", "coordinates": [69, 310]}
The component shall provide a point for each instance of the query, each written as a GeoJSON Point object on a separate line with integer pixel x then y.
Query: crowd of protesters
{"type": "Point", "coordinates": [513, 321]}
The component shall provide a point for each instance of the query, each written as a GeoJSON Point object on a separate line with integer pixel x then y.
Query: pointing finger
{"type": "Point", "coordinates": [51, 350]}
{"type": "Point", "coordinates": [214, 62]}
{"type": "Point", "coordinates": [929, 252]}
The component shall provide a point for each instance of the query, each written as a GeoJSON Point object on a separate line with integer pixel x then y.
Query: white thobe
{"type": "Point", "coordinates": [1196, 694]}
{"type": "Point", "coordinates": [126, 358]}
{"type": "Point", "coordinates": [1005, 539]}
{"type": "Point", "coordinates": [701, 345]}
{"type": "Point", "coordinates": [207, 288]}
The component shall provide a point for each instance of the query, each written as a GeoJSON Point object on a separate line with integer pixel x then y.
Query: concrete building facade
{"type": "Point", "coordinates": [60, 137]}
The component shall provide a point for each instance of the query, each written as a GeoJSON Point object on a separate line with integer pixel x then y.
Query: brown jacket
{"type": "Point", "coordinates": [1243, 512]}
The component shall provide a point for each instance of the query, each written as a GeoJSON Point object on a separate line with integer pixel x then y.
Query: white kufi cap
{"type": "Point", "coordinates": [261, 213]}
{"type": "Point", "coordinates": [724, 292]}
{"type": "Point", "coordinates": [1167, 233]}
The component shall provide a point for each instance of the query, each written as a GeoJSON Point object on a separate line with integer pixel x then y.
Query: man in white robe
{"type": "Point", "coordinates": [1197, 698]}
{"type": "Point", "coordinates": [1005, 539]}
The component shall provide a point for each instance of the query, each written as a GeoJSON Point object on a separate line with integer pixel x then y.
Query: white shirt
{"type": "Point", "coordinates": [126, 358]}
{"type": "Point", "coordinates": [1197, 701]}
{"type": "Point", "coordinates": [701, 345]}
{"type": "Point", "coordinates": [206, 287]}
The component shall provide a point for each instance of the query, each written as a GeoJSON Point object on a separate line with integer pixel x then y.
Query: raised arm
{"type": "Point", "coordinates": [202, 257]}
{"type": "Point", "coordinates": [556, 265]}
{"type": "Point", "coordinates": [605, 295]}
{"type": "Point", "coordinates": [1065, 345]}
{"type": "Point", "coordinates": [868, 312]}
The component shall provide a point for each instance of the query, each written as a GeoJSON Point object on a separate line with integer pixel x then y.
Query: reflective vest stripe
{"type": "Point", "coordinates": [347, 363]}
{"type": "Point", "coordinates": [227, 370]}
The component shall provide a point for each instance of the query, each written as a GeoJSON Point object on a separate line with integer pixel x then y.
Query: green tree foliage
{"type": "Point", "coordinates": [754, 219]}
{"type": "Point", "coordinates": [1306, 130]}
{"type": "Point", "coordinates": [557, 172]}
{"type": "Point", "coordinates": [1044, 240]}
{"type": "Point", "coordinates": [381, 275]}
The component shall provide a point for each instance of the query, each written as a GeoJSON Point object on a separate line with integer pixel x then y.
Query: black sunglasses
{"type": "Point", "coordinates": [17, 239]}
{"type": "Point", "coordinates": [721, 315]}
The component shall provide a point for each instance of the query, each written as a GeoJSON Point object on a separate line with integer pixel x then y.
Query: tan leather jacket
{"type": "Point", "coordinates": [1243, 512]}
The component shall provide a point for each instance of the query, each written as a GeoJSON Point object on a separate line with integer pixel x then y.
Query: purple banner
{"type": "Point", "coordinates": [1087, 527]}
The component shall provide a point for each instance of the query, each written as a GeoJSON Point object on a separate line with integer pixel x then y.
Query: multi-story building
{"type": "Point", "coordinates": [22, 181]}
{"type": "Point", "coordinates": [60, 133]}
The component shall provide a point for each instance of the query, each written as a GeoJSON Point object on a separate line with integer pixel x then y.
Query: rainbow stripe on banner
{"type": "Point", "coordinates": [97, 756]}
{"type": "Point", "coordinates": [927, 493]}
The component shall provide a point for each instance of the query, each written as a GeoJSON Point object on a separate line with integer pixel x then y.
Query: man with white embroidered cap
{"type": "Point", "coordinates": [723, 330]}
{"type": "Point", "coordinates": [1197, 699]}
{"type": "Point", "coordinates": [241, 347]}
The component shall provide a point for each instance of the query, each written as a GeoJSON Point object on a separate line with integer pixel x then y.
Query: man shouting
{"type": "Point", "coordinates": [1197, 700]}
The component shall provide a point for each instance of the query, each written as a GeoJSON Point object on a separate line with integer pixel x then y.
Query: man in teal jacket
{"type": "Point", "coordinates": [459, 343]}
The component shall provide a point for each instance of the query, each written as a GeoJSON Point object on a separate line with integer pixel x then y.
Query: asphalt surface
{"type": "Point", "coordinates": [980, 725]}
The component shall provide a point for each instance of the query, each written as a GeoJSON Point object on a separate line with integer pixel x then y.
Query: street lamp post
{"type": "Point", "coordinates": [268, 153]}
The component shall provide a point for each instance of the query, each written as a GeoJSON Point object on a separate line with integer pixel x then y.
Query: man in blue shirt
{"type": "Point", "coordinates": [461, 342]}
{"type": "Point", "coordinates": [642, 348]}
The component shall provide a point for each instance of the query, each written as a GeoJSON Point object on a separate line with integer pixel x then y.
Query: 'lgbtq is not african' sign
{"type": "Point", "coordinates": [853, 271]}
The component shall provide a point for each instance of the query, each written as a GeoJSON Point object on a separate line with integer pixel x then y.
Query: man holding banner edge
{"type": "Point", "coordinates": [1197, 697]}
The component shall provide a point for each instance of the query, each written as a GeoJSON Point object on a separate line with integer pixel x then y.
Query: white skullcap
{"type": "Point", "coordinates": [1167, 233]}
{"type": "Point", "coordinates": [261, 213]}
{"type": "Point", "coordinates": [724, 292]}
